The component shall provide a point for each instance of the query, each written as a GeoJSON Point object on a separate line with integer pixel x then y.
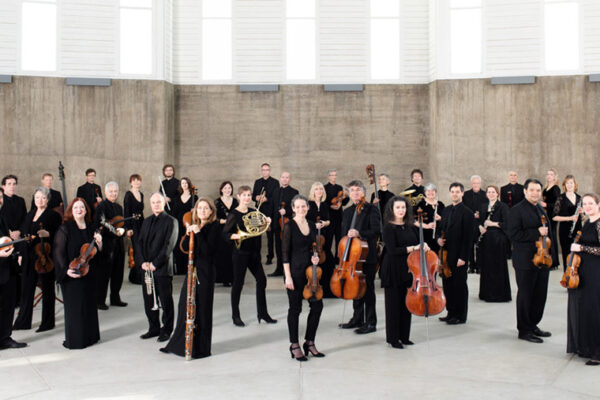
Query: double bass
{"type": "Point", "coordinates": [425, 297]}
{"type": "Point", "coordinates": [61, 175]}
{"type": "Point", "coordinates": [570, 278]}
{"type": "Point", "coordinates": [348, 281]}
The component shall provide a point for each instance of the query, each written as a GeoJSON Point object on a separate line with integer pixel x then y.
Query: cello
{"type": "Point", "coordinates": [542, 257]}
{"type": "Point", "coordinates": [313, 291]}
{"type": "Point", "coordinates": [348, 282]}
{"type": "Point", "coordinates": [425, 297]}
{"type": "Point", "coordinates": [570, 278]}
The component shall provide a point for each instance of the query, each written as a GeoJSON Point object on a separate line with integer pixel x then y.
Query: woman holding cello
{"type": "Point", "coordinates": [42, 222]}
{"type": "Point", "coordinates": [299, 234]}
{"type": "Point", "coordinates": [79, 290]}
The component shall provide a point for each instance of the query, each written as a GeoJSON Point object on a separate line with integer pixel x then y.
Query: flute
{"type": "Point", "coordinates": [162, 188]}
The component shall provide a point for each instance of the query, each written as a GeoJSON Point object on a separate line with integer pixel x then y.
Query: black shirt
{"type": "Point", "coordinates": [332, 191]}
{"type": "Point", "coordinates": [384, 197]}
{"type": "Point", "coordinates": [13, 211]}
{"type": "Point", "coordinates": [89, 192]}
{"type": "Point", "coordinates": [270, 184]}
{"type": "Point", "coordinates": [512, 194]}
{"type": "Point", "coordinates": [368, 225]}
{"type": "Point", "coordinates": [54, 200]}
{"type": "Point", "coordinates": [474, 200]}
{"type": "Point", "coordinates": [282, 195]}
{"type": "Point", "coordinates": [458, 224]}
{"type": "Point", "coordinates": [130, 207]}
{"type": "Point", "coordinates": [296, 247]}
{"type": "Point", "coordinates": [235, 221]}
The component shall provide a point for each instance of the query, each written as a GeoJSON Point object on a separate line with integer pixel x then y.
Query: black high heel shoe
{"type": "Point", "coordinates": [307, 351]}
{"type": "Point", "coordinates": [303, 358]}
{"type": "Point", "coordinates": [267, 318]}
{"type": "Point", "coordinates": [237, 321]}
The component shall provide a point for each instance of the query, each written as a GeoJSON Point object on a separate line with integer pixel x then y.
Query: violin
{"type": "Point", "coordinates": [313, 291]}
{"type": "Point", "coordinates": [81, 264]}
{"type": "Point", "coordinates": [347, 281]}
{"type": "Point", "coordinates": [320, 244]}
{"type": "Point", "coordinates": [570, 278]}
{"type": "Point", "coordinates": [443, 267]}
{"type": "Point", "coordinates": [7, 242]}
{"type": "Point", "coordinates": [337, 199]}
{"type": "Point", "coordinates": [96, 194]}
{"type": "Point", "coordinates": [425, 297]}
{"type": "Point", "coordinates": [131, 259]}
{"type": "Point", "coordinates": [117, 222]}
{"type": "Point", "coordinates": [44, 263]}
{"type": "Point", "coordinates": [282, 221]}
{"type": "Point", "coordinates": [542, 256]}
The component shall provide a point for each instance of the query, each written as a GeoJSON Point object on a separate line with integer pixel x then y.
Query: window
{"type": "Point", "coordinates": [216, 40]}
{"type": "Point", "coordinates": [300, 39]}
{"type": "Point", "coordinates": [136, 37]}
{"type": "Point", "coordinates": [38, 35]}
{"type": "Point", "coordinates": [385, 39]}
{"type": "Point", "coordinates": [561, 21]}
{"type": "Point", "coordinates": [465, 36]}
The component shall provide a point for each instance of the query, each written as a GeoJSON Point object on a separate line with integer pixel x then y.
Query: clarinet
{"type": "Point", "coordinates": [434, 214]}
{"type": "Point", "coordinates": [575, 222]}
{"type": "Point", "coordinates": [489, 217]}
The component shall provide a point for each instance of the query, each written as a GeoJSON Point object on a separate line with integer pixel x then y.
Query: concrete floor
{"type": "Point", "coordinates": [482, 359]}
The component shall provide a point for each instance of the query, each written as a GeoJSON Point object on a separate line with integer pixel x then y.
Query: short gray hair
{"type": "Point", "coordinates": [111, 183]}
{"type": "Point", "coordinates": [430, 186]}
{"type": "Point", "coordinates": [329, 171]}
{"type": "Point", "coordinates": [475, 177]}
{"type": "Point", "coordinates": [358, 183]}
{"type": "Point", "coordinates": [45, 191]}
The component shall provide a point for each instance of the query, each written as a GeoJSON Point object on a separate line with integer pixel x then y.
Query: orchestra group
{"type": "Point", "coordinates": [333, 242]}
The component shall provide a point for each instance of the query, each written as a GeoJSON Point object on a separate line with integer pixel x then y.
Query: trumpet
{"type": "Point", "coordinates": [255, 223]}
{"type": "Point", "coordinates": [150, 288]}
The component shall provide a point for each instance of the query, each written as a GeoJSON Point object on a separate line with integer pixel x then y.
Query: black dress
{"type": "Point", "coordinates": [550, 196]}
{"type": "Point", "coordinates": [205, 246]}
{"type": "Point", "coordinates": [79, 294]}
{"type": "Point", "coordinates": [429, 217]}
{"type": "Point", "coordinates": [223, 263]}
{"type": "Point", "coordinates": [395, 279]}
{"type": "Point", "coordinates": [384, 197]}
{"type": "Point", "coordinates": [130, 207]}
{"type": "Point", "coordinates": [178, 209]}
{"type": "Point", "coordinates": [564, 208]}
{"type": "Point", "coordinates": [583, 323]}
{"type": "Point", "coordinates": [494, 282]}
{"type": "Point", "coordinates": [322, 211]}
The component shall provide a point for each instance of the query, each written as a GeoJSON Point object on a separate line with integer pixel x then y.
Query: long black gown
{"type": "Point", "coordinates": [494, 282]}
{"type": "Point", "coordinates": [223, 263]}
{"type": "Point", "coordinates": [550, 196]}
{"type": "Point", "coordinates": [583, 322]}
{"type": "Point", "coordinates": [205, 246]}
{"type": "Point", "coordinates": [327, 267]}
{"type": "Point", "coordinates": [130, 207]}
{"type": "Point", "coordinates": [429, 217]}
{"type": "Point", "coordinates": [79, 294]}
{"type": "Point", "coordinates": [564, 208]}
{"type": "Point", "coordinates": [178, 209]}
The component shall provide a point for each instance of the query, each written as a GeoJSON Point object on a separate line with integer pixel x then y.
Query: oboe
{"type": "Point", "coordinates": [434, 221]}
{"type": "Point", "coordinates": [489, 217]}
{"type": "Point", "coordinates": [575, 222]}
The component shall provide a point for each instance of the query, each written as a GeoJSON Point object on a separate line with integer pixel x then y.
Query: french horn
{"type": "Point", "coordinates": [255, 223]}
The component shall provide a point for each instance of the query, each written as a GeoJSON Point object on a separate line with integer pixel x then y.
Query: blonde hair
{"type": "Point", "coordinates": [311, 193]}
{"type": "Point", "coordinates": [555, 178]}
{"type": "Point", "coordinates": [569, 178]}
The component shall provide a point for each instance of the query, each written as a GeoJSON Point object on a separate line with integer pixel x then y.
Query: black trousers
{"type": "Point", "coordinates": [8, 293]}
{"type": "Point", "coordinates": [457, 293]}
{"type": "Point", "coordinates": [295, 298]}
{"type": "Point", "coordinates": [110, 269]}
{"type": "Point", "coordinates": [270, 253]}
{"type": "Point", "coordinates": [164, 297]}
{"type": "Point", "coordinates": [364, 308]}
{"type": "Point", "coordinates": [532, 289]}
{"type": "Point", "coordinates": [250, 261]}
{"type": "Point", "coordinates": [278, 252]}
{"type": "Point", "coordinates": [397, 316]}
{"type": "Point", "coordinates": [28, 284]}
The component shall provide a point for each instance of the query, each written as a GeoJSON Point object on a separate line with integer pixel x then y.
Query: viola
{"type": "Point", "coordinates": [542, 257]}
{"type": "Point", "coordinates": [43, 263]}
{"type": "Point", "coordinates": [570, 278]}
{"type": "Point", "coordinates": [282, 221]}
{"type": "Point", "coordinates": [81, 264]}
{"type": "Point", "coordinates": [347, 281]}
{"type": "Point", "coordinates": [443, 267]}
{"type": "Point", "coordinates": [425, 297]}
{"type": "Point", "coordinates": [337, 199]}
{"type": "Point", "coordinates": [320, 244]}
{"type": "Point", "coordinates": [313, 291]}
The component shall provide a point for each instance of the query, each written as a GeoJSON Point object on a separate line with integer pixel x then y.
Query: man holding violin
{"type": "Point", "coordinates": [90, 191]}
{"type": "Point", "coordinates": [332, 190]}
{"type": "Point", "coordinates": [282, 212]}
{"type": "Point", "coordinates": [525, 228]}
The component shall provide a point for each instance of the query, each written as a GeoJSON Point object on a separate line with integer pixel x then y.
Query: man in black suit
{"type": "Point", "coordinates": [14, 209]}
{"type": "Point", "coordinates": [475, 199]}
{"type": "Point", "coordinates": [283, 194]}
{"type": "Point", "coordinates": [154, 254]}
{"type": "Point", "coordinates": [170, 185]}
{"type": "Point", "coordinates": [55, 199]}
{"type": "Point", "coordinates": [332, 189]}
{"type": "Point", "coordinates": [458, 224]}
{"type": "Point", "coordinates": [416, 177]}
{"type": "Point", "coordinates": [366, 227]}
{"type": "Point", "coordinates": [512, 193]}
{"type": "Point", "coordinates": [270, 184]}
{"type": "Point", "coordinates": [524, 229]}
{"type": "Point", "coordinates": [89, 191]}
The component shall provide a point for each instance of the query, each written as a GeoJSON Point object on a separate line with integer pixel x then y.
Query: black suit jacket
{"type": "Point", "coordinates": [155, 244]}
{"type": "Point", "coordinates": [368, 225]}
{"type": "Point", "coordinates": [459, 226]}
{"type": "Point", "coordinates": [8, 265]}
{"type": "Point", "coordinates": [270, 185]}
{"type": "Point", "coordinates": [516, 194]}
{"type": "Point", "coordinates": [13, 212]}
{"type": "Point", "coordinates": [88, 192]}
{"type": "Point", "coordinates": [286, 195]}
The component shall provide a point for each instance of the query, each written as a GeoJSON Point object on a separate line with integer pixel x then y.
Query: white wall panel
{"type": "Point", "coordinates": [414, 39]}
{"type": "Point", "coordinates": [591, 36]}
{"type": "Point", "coordinates": [187, 41]}
{"type": "Point", "coordinates": [9, 16]}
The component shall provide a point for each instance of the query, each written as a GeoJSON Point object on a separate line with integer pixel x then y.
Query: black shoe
{"type": "Point", "coordinates": [45, 328]}
{"type": "Point", "coordinates": [267, 318]}
{"type": "Point", "coordinates": [303, 358]}
{"type": "Point", "coordinates": [592, 362]}
{"type": "Point", "coordinates": [276, 273]}
{"type": "Point", "coordinates": [366, 328]}
{"type": "Point", "coordinates": [444, 319]}
{"type": "Point", "coordinates": [237, 321]}
{"type": "Point", "coordinates": [316, 353]}
{"type": "Point", "coordinates": [102, 307]}
{"type": "Point", "coordinates": [541, 333]}
{"type": "Point", "coordinates": [407, 342]}
{"type": "Point", "coordinates": [164, 350]}
{"type": "Point", "coordinates": [163, 337]}
{"type": "Point", "coordinates": [118, 303]}
{"type": "Point", "coordinates": [353, 323]}
{"type": "Point", "coordinates": [530, 337]}
{"type": "Point", "coordinates": [149, 335]}
{"type": "Point", "coordinates": [10, 343]}
{"type": "Point", "coordinates": [397, 345]}
{"type": "Point", "coordinates": [455, 321]}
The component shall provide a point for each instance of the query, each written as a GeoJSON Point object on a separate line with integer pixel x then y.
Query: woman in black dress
{"type": "Point", "coordinates": [550, 195]}
{"type": "Point", "coordinates": [494, 245]}
{"type": "Point", "coordinates": [179, 206]}
{"type": "Point", "coordinates": [432, 216]}
{"type": "Point", "coordinates": [299, 234]}
{"type": "Point", "coordinates": [224, 204]}
{"type": "Point", "coordinates": [567, 209]}
{"type": "Point", "coordinates": [401, 238]}
{"type": "Point", "coordinates": [318, 208]}
{"type": "Point", "coordinates": [383, 192]}
{"type": "Point", "coordinates": [79, 292]}
{"type": "Point", "coordinates": [246, 257]}
{"type": "Point", "coordinates": [133, 203]}
{"type": "Point", "coordinates": [41, 221]}
{"type": "Point", "coordinates": [583, 323]}
{"type": "Point", "coordinates": [206, 237]}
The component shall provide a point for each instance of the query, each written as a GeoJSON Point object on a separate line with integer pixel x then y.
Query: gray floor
{"type": "Point", "coordinates": [482, 359]}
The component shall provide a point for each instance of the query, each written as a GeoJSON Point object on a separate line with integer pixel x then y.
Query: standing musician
{"type": "Point", "coordinates": [133, 203]}
{"type": "Point", "coordinates": [170, 185]}
{"type": "Point", "coordinates": [432, 215]}
{"type": "Point", "coordinates": [283, 194]}
{"type": "Point", "coordinates": [494, 247]}
{"type": "Point", "coordinates": [383, 193]}
{"type": "Point", "coordinates": [113, 256]}
{"type": "Point", "coordinates": [89, 191]}
{"type": "Point", "coordinates": [550, 195]}
{"type": "Point", "coordinates": [269, 184]}
{"type": "Point", "coordinates": [567, 211]}
{"type": "Point", "coordinates": [524, 229]}
{"type": "Point", "coordinates": [512, 193]}
{"type": "Point", "coordinates": [475, 199]}
{"type": "Point", "coordinates": [457, 222]}
{"type": "Point", "coordinates": [55, 199]}
{"type": "Point", "coordinates": [8, 288]}
{"type": "Point", "coordinates": [318, 208]}
{"type": "Point", "coordinates": [247, 256]}
{"type": "Point", "coordinates": [332, 189]}
{"type": "Point", "coordinates": [299, 234]}
{"type": "Point", "coordinates": [206, 238]}
{"type": "Point", "coordinates": [416, 177]}
{"type": "Point", "coordinates": [367, 227]}
{"type": "Point", "coordinates": [181, 204]}
{"type": "Point", "coordinates": [42, 222]}
{"type": "Point", "coordinates": [224, 204]}
{"type": "Point", "coordinates": [154, 254]}
{"type": "Point", "coordinates": [401, 238]}
{"type": "Point", "coordinates": [79, 291]}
